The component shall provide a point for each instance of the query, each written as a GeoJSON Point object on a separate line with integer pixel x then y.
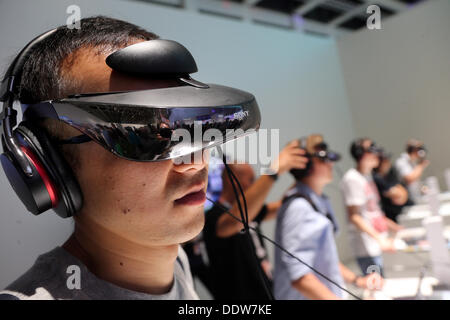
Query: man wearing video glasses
{"type": "Point", "coordinates": [100, 105]}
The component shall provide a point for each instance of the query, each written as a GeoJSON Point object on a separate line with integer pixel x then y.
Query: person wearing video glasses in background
{"type": "Point", "coordinates": [306, 226]}
{"type": "Point", "coordinates": [368, 227]}
{"type": "Point", "coordinates": [394, 196]}
{"type": "Point", "coordinates": [132, 202]}
{"type": "Point", "coordinates": [232, 267]}
{"type": "Point", "coordinates": [411, 165]}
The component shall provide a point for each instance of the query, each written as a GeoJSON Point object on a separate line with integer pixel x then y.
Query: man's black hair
{"type": "Point", "coordinates": [357, 149]}
{"type": "Point", "coordinates": [300, 174]}
{"type": "Point", "coordinates": [42, 78]}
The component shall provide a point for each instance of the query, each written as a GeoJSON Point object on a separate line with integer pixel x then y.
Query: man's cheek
{"type": "Point", "coordinates": [140, 203]}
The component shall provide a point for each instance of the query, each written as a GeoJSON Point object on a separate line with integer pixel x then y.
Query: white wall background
{"type": "Point", "coordinates": [398, 81]}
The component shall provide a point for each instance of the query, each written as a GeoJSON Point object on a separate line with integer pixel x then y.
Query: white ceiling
{"type": "Point", "coordinates": [317, 17]}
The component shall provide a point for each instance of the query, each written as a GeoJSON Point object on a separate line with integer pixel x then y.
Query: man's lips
{"type": "Point", "coordinates": [193, 198]}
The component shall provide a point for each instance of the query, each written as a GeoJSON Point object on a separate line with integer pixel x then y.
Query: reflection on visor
{"type": "Point", "coordinates": [152, 125]}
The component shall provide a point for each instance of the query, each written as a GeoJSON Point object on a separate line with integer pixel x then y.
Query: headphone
{"type": "Point", "coordinates": [421, 150]}
{"type": "Point", "coordinates": [35, 168]}
{"type": "Point", "coordinates": [357, 150]}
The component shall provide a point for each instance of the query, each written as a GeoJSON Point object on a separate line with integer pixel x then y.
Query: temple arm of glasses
{"type": "Point", "coordinates": [76, 140]}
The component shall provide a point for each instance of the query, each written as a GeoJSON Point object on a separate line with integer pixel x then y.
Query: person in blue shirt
{"type": "Point", "coordinates": [306, 226]}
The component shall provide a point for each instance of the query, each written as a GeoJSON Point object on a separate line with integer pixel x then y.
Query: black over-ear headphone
{"type": "Point", "coordinates": [419, 148]}
{"type": "Point", "coordinates": [357, 150]}
{"type": "Point", "coordinates": [36, 170]}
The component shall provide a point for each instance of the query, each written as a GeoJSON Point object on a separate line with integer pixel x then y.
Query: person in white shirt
{"type": "Point", "coordinates": [368, 230]}
{"type": "Point", "coordinates": [411, 165]}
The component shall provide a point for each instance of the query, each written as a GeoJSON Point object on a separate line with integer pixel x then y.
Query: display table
{"type": "Point", "coordinates": [407, 271]}
{"type": "Point", "coordinates": [403, 289]}
{"type": "Point", "coordinates": [413, 216]}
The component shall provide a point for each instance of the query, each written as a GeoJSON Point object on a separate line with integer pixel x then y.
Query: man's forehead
{"type": "Point", "coordinates": [87, 68]}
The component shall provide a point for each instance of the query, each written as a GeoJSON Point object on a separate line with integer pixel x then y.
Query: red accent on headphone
{"type": "Point", "coordinates": [51, 189]}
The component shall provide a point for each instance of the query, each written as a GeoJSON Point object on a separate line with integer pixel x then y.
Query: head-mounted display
{"type": "Point", "coordinates": [384, 155]}
{"type": "Point", "coordinates": [373, 148]}
{"type": "Point", "coordinates": [316, 147]}
{"type": "Point", "coordinates": [143, 125]}
{"type": "Point", "coordinates": [422, 152]}
{"type": "Point", "coordinates": [156, 124]}
{"type": "Point", "coordinates": [324, 154]}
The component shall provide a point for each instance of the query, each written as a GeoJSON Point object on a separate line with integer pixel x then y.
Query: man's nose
{"type": "Point", "coordinates": [196, 162]}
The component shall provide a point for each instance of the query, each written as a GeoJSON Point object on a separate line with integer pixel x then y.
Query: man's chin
{"type": "Point", "coordinates": [192, 227]}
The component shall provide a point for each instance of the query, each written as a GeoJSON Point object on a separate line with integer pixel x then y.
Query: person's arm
{"type": "Point", "coordinates": [290, 157]}
{"type": "Point", "coordinates": [398, 195]}
{"type": "Point", "coordinates": [356, 218]}
{"type": "Point", "coordinates": [272, 210]}
{"type": "Point", "coordinates": [348, 275]}
{"type": "Point", "coordinates": [361, 282]}
{"type": "Point", "coordinates": [302, 234]}
{"type": "Point", "coordinates": [393, 226]}
{"type": "Point", "coordinates": [255, 196]}
{"type": "Point", "coordinates": [416, 173]}
{"type": "Point", "coordinates": [311, 287]}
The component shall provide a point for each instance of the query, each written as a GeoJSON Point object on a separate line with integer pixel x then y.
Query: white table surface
{"type": "Point", "coordinates": [402, 288]}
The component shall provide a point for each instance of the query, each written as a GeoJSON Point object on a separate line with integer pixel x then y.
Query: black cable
{"type": "Point", "coordinates": [286, 251]}
{"type": "Point", "coordinates": [244, 221]}
{"type": "Point", "coordinates": [240, 189]}
{"type": "Point", "coordinates": [310, 267]}
{"type": "Point", "coordinates": [230, 176]}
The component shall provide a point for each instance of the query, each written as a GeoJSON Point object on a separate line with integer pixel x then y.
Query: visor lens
{"type": "Point", "coordinates": [178, 132]}
{"type": "Point", "coordinates": [148, 133]}
{"type": "Point", "coordinates": [328, 155]}
{"type": "Point", "coordinates": [374, 149]}
{"type": "Point", "coordinates": [333, 156]}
